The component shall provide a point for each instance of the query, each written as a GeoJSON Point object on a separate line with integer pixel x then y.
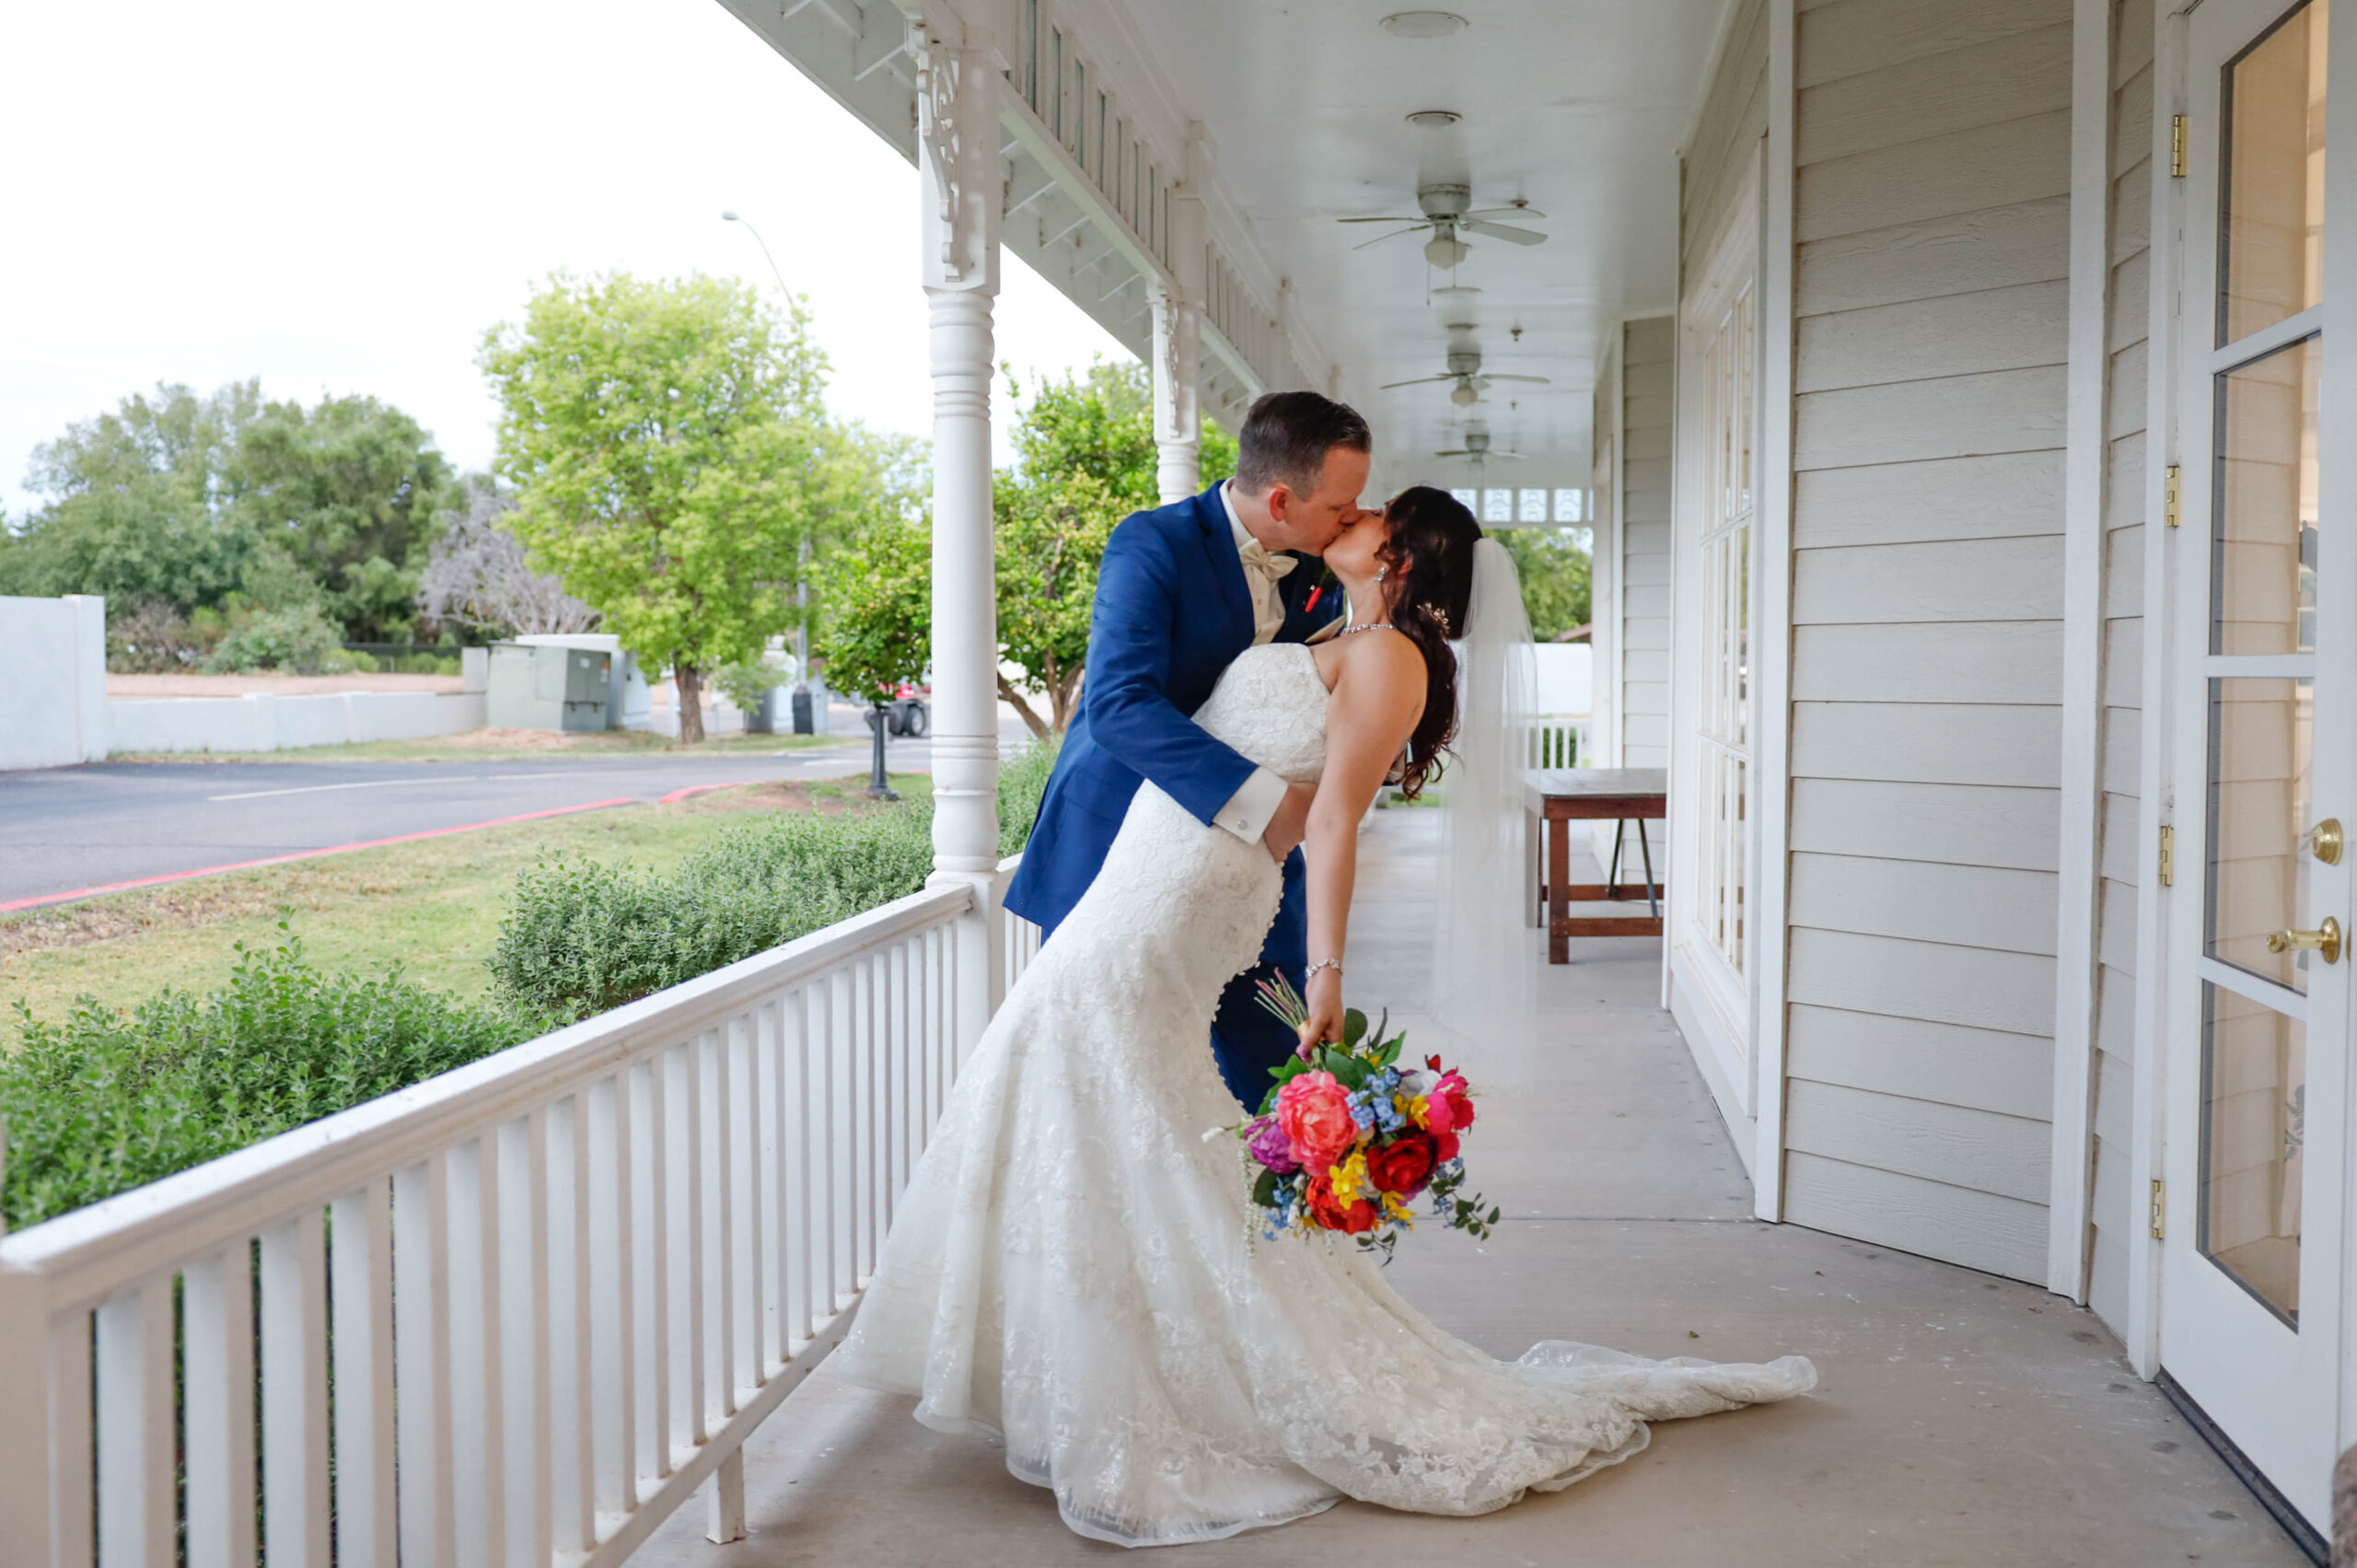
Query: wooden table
{"type": "Point", "coordinates": [1558, 797]}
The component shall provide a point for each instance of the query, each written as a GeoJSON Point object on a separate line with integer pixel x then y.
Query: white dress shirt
{"type": "Point", "coordinates": [1247, 811]}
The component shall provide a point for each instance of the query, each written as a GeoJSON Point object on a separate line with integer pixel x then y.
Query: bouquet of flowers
{"type": "Point", "coordinates": [1347, 1138]}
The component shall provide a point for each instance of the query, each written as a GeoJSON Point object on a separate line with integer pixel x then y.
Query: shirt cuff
{"type": "Point", "coordinates": [1247, 811]}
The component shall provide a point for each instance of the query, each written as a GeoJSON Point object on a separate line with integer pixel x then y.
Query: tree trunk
{"type": "Point", "coordinates": [689, 680]}
{"type": "Point", "coordinates": [1014, 699]}
{"type": "Point", "coordinates": [1067, 695]}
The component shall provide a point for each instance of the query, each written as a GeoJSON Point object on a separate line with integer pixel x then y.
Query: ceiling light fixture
{"type": "Point", "coordinates": [1433, 118]}
{"type": "Point", "coordinates": [1423, 24]}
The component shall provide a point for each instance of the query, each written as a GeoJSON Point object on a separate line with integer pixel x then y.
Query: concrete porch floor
{"type": "Point", "coordinates": [1960, 1419]}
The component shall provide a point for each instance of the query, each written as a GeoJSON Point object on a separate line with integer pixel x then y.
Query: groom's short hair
{"type": "Point", "coordinates": [1286, 436]}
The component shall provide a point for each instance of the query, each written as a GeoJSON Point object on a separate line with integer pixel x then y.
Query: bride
{"type": "Point", "coordinates": [1076, 1270]}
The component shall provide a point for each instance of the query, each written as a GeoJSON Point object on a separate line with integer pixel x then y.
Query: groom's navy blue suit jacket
{"type": "Point", "coordinates": [1172, 609]}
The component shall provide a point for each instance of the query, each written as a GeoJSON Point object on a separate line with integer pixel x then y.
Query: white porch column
{"type": "Point", "coordinates": [1178, 403]}
{"type": "Point", "coordinates": [957, 176]}
{"type": "Point", "coordinates": [1178, 338]}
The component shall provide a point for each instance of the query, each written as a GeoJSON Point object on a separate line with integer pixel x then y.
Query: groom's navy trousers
{"type": "Point", "coordinates": [1172, 609]}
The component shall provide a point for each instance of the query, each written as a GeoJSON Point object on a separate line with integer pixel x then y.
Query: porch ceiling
{"type": "Point", "coordinates": [1575, 105]}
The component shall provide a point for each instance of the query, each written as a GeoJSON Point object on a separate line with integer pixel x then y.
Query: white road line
{"type": "Point", "coordinates": [322, 789]}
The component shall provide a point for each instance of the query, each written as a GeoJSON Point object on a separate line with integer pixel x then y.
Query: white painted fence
{"type": "Point", "coordinates": [1558, 741]}
{"type": "Point", "coordinates": [265, 721]}
{"type": "Point", "coordinates": [516, 1314]}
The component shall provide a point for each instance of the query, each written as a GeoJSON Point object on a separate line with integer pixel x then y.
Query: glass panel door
{"type": "Point", "coordinates": [2258, 1018]}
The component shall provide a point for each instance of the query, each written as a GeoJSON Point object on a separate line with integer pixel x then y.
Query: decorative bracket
{"type": "Point", "coordinates": [955, 149]}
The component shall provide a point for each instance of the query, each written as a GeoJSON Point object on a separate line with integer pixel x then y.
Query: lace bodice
{"type": "Point", "coordinates": [1270, 705]}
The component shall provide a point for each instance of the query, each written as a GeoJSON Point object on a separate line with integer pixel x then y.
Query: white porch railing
{"type": "Point", "coordinates": [514, 1315]}
{"type": "Point", "coordinates": [1019, 938]}
{"type": "Point", "coordinates": [1557, 741]}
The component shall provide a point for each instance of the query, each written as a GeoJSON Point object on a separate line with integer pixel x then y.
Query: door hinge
{"type": "Point", "coordinates": [2168, 856]}
{"type": "Point", "coordinates": [2176, 146]}
{"type": "Point", "coordinates": [2169, 492]}
{"type": "Point", "coordinates": [2160, 1211]}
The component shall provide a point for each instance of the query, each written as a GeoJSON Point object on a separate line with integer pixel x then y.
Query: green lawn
{"type": "Point", "coordinates": [508, 745]}
{"type": "Point", "coordinates": [434, 905]}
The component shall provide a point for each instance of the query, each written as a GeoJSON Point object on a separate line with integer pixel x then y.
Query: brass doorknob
{"type": "Point", "coordinates": [2325, 940]}
{"type": "Point", "coordinates": [2325, 840]}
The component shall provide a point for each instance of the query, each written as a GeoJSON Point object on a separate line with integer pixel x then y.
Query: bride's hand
{"type": "Point", "coordinates": [1324, 1024]}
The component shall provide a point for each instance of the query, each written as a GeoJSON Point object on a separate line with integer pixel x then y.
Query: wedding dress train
{"type": "Point", "coordinates": [1075, 1271]}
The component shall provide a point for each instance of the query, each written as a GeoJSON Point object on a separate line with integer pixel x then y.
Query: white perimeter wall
{"type": "Point", "coordinates": [266, 722]}
{"type": "Point", "coordinates": [52, 681]}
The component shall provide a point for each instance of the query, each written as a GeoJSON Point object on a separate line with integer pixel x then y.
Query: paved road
{"type": "Point", "coordinates": [65, 829]}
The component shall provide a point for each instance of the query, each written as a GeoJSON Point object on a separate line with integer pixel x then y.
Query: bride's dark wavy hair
{"type": "Point", "coordinates": [1431, 557]}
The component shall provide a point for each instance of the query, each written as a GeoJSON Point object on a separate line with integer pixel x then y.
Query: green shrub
{"type": "Point", "coordinates": [298, 640]}
{"type": "Point", "coordinates": [584, 936]}
{"type": "Point", "coordinates": [100, 1103]}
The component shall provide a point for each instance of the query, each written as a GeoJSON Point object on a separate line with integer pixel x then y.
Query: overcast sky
{"type": "Point", "coordinates": [341, 198]}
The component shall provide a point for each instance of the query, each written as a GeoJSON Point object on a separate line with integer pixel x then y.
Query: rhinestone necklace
{"type": "Point", "coordinates": [1365, 626]}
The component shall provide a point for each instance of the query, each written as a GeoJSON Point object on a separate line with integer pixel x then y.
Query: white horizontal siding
{"type": "Point", "coordinates": [2114, 1215]}
{"type": "Point", "coordinates": [1644, 592]}
{"type": "Point", "coordinates": [1933, 140]}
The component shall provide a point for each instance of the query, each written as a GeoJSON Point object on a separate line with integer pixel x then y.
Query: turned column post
{"type": "Point", "coordinates": [961, 196]}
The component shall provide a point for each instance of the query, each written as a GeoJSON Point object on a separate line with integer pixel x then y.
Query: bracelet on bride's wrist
{"type": "Point", "coordinates": [1311, 973]}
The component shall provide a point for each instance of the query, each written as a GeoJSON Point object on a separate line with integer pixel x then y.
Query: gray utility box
{"type": "Point", "coordinates": [540, 687]}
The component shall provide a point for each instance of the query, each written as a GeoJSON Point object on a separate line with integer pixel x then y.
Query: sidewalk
{"type": "Point", "coordinates": [1961, 1419]}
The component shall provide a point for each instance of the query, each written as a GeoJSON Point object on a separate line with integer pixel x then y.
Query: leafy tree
{"type": "Point", "coordinates": [1100, 422]}
{"type": "Point", "coordinates": [352, 490]}
{"type": "Point", "coordinates": [878, 589]}
{"type": "Point", "coordinates": [1554, 571]}
{"type": "Point", "coordinates": [136, 508]}
{"type": "Point", "coordinates": [1052, 530]}
{"type": "Point", "coordinates": [656, 432]}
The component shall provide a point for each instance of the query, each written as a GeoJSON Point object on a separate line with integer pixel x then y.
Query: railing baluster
{"type": "Point", "coordinates": [865, 1042]}
{"type": "Point", "coordinates": [295, 1392]}
{"type": "Point", "coordinates": [137, 1516]}
{"type": "Point", "coordinates": [610, 1407]}
{"type": "Point", "coordinates": [829, 994]}
{"type": "Point", "coordinates": [695, 1146]}
{"type": "Point", "coordinates": [217, 1332]}
{"type": "Point", "coordinates": [886, 1045]}
{"type": "Point", "coordinates": [360, 1270]}
{"type": "Point", "coordinates": [768, 1220]}
{"type": "Point", "coordinates": [519, 1338]}
{"type": "Point", "coordinates": [800, 1250]}
{"type": "Point", "coordinates": [474, 1319]}
{"type": "Point", "coordinates": [421, 1359]}
{"type": "Point", "coordinates": [720, 1389]}
{"type": "Point", "coordinates": [573, 1404]}
{"type": "Point", "coordinates": [663, 1268]}
{"type": "Point", "coordinates": [73, 1479]}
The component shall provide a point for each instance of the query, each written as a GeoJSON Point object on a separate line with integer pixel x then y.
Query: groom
{"type": "Point", "coordinates": [1182, 590]}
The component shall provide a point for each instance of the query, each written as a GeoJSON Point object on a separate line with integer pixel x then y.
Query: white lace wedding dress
{"type": "Point", "coordinates": [1074, 1270]}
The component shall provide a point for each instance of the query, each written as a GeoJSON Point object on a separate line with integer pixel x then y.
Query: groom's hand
{"type": "Point", "coordinates": [1283, 833]}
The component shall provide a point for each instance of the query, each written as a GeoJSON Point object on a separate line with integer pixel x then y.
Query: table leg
{"type": "Point", "coordinates": [1558, 888]}
{"type": "Point", "coordinates": [1532, 891]}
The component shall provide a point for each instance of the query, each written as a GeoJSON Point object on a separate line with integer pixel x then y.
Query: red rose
{"type": "Point", "coordinates": [1459, 1095]}
{"type": "Point", "coordinates": [1403, 1165]}
{"type": "Point", "coordinates": [1444, 1148]}
{"type": "Point", "coordinates": [1355, 1218]}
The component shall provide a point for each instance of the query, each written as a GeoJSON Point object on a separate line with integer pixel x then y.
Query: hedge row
{"type": "Point", "coordinates": [584, 936]}
{"type": "Point", "coordinates": [101, 1102]}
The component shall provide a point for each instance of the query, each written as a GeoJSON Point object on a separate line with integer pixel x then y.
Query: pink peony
{"type": "Point", "coordinates": [1315, 1112]}
{"type": "Point", "coordinates": [1458, 1095]}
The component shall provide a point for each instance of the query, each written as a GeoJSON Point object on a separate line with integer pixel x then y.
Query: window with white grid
{"type": "Point", "coordinates": [1725, 363]}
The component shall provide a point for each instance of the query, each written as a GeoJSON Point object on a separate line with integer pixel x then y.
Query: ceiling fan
{"type": "Point", "coordinates": [1477, 447]}
{"type": "Point", "coordinates": [1465, 369]}
{"type": "Point", "coordinates": [1447, 209]}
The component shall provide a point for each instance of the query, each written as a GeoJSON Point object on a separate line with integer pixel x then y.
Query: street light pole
{"type": "Point", "coordinates": [802, 551]}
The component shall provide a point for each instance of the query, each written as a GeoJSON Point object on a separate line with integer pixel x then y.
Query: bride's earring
{"type": "Point", "coordinates": [1381, 572]}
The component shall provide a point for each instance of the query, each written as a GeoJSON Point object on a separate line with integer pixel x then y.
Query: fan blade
{"type": "Point", "coordinates": [1502, 213]}
{"type": "Point", "coordinates": [1418, 222]}
{"type": "Point", "coordinates": [1455, 452]}
{"type": "Point", "coordinates": [1393, 235]}
{"type": "Point", "coordinates": [1419, 381]}
{"type": "Point", "coordinates": [1538, 380]}
{"type": "Point", "coordinates": [1511, 236]}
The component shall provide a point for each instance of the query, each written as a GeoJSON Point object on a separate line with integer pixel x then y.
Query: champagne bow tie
{"type": "Point", "coordinates": [1257, 558]}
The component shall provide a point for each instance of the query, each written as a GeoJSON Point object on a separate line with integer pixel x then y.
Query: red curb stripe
{"type": "Point", "coordinates": [303, 854]}
{"type": "Point", "coordinates": [678, 795]}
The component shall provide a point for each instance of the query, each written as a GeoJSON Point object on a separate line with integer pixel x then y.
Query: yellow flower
{"type": "Point", "coordinates": [1350, 1179]}
{"type": "Point", "coordinates": [1393, 1209]}
{"type": "Point", "coordinates": [1414, 1107]}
